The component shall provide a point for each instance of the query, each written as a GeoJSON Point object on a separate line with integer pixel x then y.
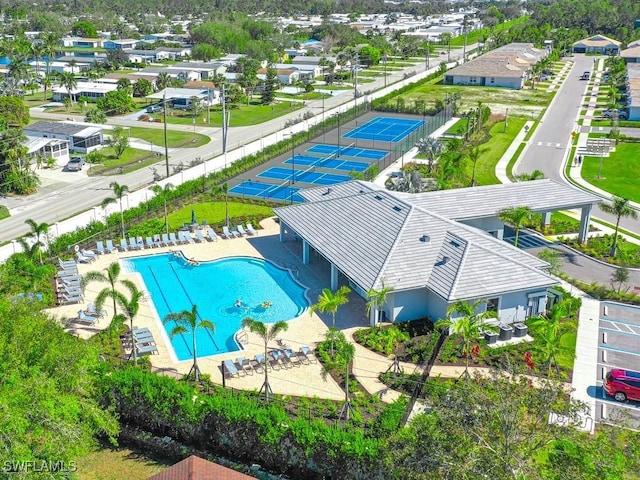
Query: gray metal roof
{"type": "Point", "coordinates": [61, 128]}
{"type": "Point", "coordinates": [486, 201]}
{"type": "Point", "coordinates": [337, 190]}
{"type": "Point", "coordinates": [375, 236]}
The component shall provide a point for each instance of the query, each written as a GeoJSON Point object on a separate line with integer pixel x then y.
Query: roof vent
{"type": "Point", "coordinates": [445, 260]}
{"type": "Point", "coordinates": [454, 244]}
{"type": "Point", "coordinates": [425, 238]}
{"type": "Point", "coordinates": [328, 191]}
{"type": "Point", "coordinates": [378, 197]}
{"type": "Point", "coordinates": [361, 191]}
{"type": "Point", "coordinates": [397, 208]}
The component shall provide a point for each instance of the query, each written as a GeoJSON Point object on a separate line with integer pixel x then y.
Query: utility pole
{"type": "Point", "coordinates": [225, 124]}
{"type": "Point", "coordinates": [427, 55]}
{"type": "Point", "coordinates": [384, 58]}
{"type": "Point", "coordinates": [164, 121]}
{"type": "Point", "coordinates": [464, 31]}
{"type": "Point", "coordinates": [355, 84]}
{"type": "Point", "coordinates": [208, 107]}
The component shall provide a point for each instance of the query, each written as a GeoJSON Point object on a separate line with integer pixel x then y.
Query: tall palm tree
{"type": "Point", "coordinates": [50, 47]}
{"type": "Point", "coordinates": [119, 192]}
{"type": "Point", "coordinates": [377, 300]}
{"type": "Point", "coordinates": [189, 322]}
{"type": "Point", "coordinates": [619, 207]}
{"type": "Point", "coordinates": [465, 319]}
{"type": "Point", "coordinates": [329, 302]}
{"type": "Point", "coordinates": [46, 84]}
{"type": "Point", "coordinates": [130, 305]}
{"type": "Point", "coordinates": [266, 334]}
{"type": "Point", "coordinates": [430, 147]}
{"type": "Point", "coordinates": [37, 231]}
{"type": "Point", "coordinates": [515, 218]}
{"type": "Point", "coordinates": [69, 81]}
{"type": "Point", "coordinates": [110, 276]}
{"type": "Point", "coordinates": [160, 190]}
{"type": "Point", "coordinates": [163, 81]}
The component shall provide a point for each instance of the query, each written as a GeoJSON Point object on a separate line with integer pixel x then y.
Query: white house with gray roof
{"type": "Point", "coordinates": [431, 248]}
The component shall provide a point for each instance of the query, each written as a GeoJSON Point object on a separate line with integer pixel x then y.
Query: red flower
{"type": "Point", "coordinates": [528, 359]}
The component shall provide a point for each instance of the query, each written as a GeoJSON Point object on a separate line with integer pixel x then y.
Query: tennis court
{"type": "Point", "coordinates": [384, 129]}
{"type": "Point", "coordinates": [329, 162]}
{"type": "Point", "coordinates": [306, 176]}
{"type": "Point", "coordinates": [325, 149]}
{"type": "Point", "coordinates": [266, 191]}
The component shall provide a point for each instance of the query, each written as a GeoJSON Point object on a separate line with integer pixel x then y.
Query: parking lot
{"type": "Point", "coordinates": [618, 347]}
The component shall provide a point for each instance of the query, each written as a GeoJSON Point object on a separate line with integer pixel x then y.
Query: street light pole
{"type": "Point", "coordinates": [164, 121]}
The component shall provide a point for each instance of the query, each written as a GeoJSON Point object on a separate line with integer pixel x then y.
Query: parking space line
{"type": "Point", "coordinates": [622, 322]}
{"type": "Point", "coordinates": [621, 350]}
{"type": "Point", "coordinates": [621, 332]}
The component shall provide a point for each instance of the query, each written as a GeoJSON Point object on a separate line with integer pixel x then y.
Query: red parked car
{"type": "Point", "coordinates": [622, 384]}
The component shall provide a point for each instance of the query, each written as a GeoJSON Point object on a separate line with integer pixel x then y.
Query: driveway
{"type": "Point", "coordinates": [550, 142]}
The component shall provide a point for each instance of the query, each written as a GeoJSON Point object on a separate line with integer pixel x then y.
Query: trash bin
{"type": "Point", "coordinates": [506, 332]}
{"type": "Point", "coordinates": [520, 330]}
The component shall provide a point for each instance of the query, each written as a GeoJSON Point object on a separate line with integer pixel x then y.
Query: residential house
{"type": "Point", "coordinates": [126, 44]}
{"type": "Point", "coordinates": [631, 54]}
{"type": "Point", "coordinates": [79, 42]}
{"type": "Point", "coordinates": [633, 90]}
{"type": "Point", "coordinates": [175, 53]}
{"type": "Point", "coordinates": [207, 69]}
{"type": "Point", "coordinates": [91, 90]}
{"type": "Point", "coordinates": [180, 98]}
{"type": "Point", "coordinates": [184, 74]}
{"type": "Point", "coordinates": [286, 76]}
{"type": "Point", "coordinates": [433, 249]}
{"type": "Point", "coordinates": [81, 138]}
{"type": "Point", "coordinates": [597, 44]}
{"type": "Point", "coordinates": [508, 66]}
{"type": "Point", "coordinates": [142, 56]}
{"type": "Point", "coordinates": [46, 148]}
{"type": "Point", "coordinates": [113, 77]}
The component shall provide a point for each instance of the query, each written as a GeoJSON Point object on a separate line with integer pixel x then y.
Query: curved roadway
{"type": "Point", "coordinates": [550, 143]}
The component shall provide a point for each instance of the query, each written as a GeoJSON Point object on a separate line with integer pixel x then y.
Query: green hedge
{"type": "Point", "coordinates": [239, 425]}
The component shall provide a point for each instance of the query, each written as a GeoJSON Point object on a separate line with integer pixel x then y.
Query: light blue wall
{"type": "Point", "coordinates": [414, 304]}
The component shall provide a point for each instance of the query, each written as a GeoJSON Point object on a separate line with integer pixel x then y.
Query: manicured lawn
{"type": "Point", "coordinates": [116, 464]}
{"type": "Point", "coordinates": [175, 139]}
{"type": "Point", "coordinates": [371, 74]}
{"type": "Point", "coordinates": [459, 127]}
{"type": "Point", "coordinates": [620, 171]}
{"type": "Point", "coordinates": [214, 213]}
{"type": "Point", "coordinates": [500, 141]}
{"type": "Point", "coordinates": [132, 159]}
{"type": "Point", "coordinates": [242, 116]}
{"type": "Point", "coordinates": [4, 212]}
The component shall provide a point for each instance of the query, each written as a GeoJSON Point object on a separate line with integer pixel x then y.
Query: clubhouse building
{"type": "Point", "coordinates": [433, 248]}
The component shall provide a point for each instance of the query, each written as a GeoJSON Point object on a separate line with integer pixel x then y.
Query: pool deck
{"type": "Point", "coordinates": [308, 329]}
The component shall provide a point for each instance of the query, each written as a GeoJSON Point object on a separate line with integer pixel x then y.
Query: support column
{"type": "Point", "coordinates": [546, 221]}
{"type": "Point", "coordinates": [500, 233]}
{"type": "Point", "coordinates": [305, 252]}
{"type": "Point", "coordinates": [282, 231]}
{"type": "Point", "coordinates": [334, 277]}
{"type": "Point", "coordinates": [585, 218]}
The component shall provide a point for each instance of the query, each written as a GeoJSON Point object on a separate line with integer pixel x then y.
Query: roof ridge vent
{"type": "Point", "coordinates": [425, 238]}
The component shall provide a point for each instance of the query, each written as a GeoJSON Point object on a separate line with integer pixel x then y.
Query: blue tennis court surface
{"type": "Point", "coordinates": [266, 191]}
{"type": "Point", "coordinates": [385, 129]}
{"type": "Point", "coordinates": [319, 178]}
{"type": "Point", "coordinates": [367, 153]}
{"type": "Point", "coordinates": [332, 163]}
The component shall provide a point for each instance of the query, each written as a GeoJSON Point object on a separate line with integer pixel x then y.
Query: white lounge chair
{"type": "Point", "coordinates": [185, 237]}
{"type": "Point", "coordinates": [157, 241]}
{"type": "Point", "coordinates": [212, 234]}
{"type": "Point", "coordinates": [67, 264]}
{"type": "Point", "coordinates": [150, 243]}
{"type": "Point", "coordinates": [110, 248]}
{"type": "Point", "coordinates": [251, 230]}
{"type": "Point", "coordinates": [230, 369]}
{"type": "Point", "coordinates": [91, 310]}
{"type": "Point", "coordinates": [241, 230]}
{"type": "Point", "coordinates": [86, 318]}
{"type": "Point", "coordinates": [226, 233]}
{"type": "Point", "coordinates": [123, 244]}
{"type": "Point", "coordinates": [173, 239]}
{"type": "Point", "coordinates": [84, 259]}
{"type": "Point", "coordinates": [140, 243]}
{"type": "Point", "coordinates": [244, 364]}
{"type": "Point", "coordinates": [307, 353]}
{"type": "Point", "coordinates": [100, 247]}
{"type": "Point", "coordinates": [133, 243]}
{"type": "Point", "coordinates": [199, 236]}
{"type": "Point", "coordinates": [88, 253]}
{"type": "Point", "coordinates": [65, 298]}
{"type": "Point", "coordinates": [165, 239]}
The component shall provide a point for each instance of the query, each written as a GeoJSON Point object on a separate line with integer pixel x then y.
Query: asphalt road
{"type": "Point", "coordinates": [549, 143]}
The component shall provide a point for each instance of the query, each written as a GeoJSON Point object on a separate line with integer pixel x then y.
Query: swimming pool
{"type": "Point", "coordinates": [214, 287]}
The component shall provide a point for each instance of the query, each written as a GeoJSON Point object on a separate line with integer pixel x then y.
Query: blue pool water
{"type": "Point", "coordinates": [214, 287]}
